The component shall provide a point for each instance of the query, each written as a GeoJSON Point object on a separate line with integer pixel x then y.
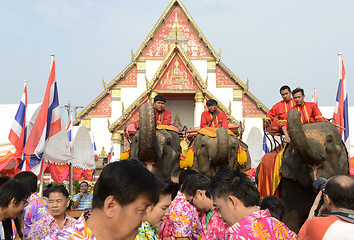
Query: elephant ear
{"type": "Point", "coordinates": [292, 167]}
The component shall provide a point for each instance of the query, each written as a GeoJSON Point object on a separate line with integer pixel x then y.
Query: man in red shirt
{"type": "Point", "coordinates": [310, 112]}
{"type": "Point", "coordinates": [280, 110]}
{"type": "Point", "coordinates": [163, 116]}
{"type": "Point", "coordinates": [213, 117]}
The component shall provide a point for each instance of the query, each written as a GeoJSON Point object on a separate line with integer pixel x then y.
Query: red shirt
{"type": "Point", "coordinates": [165, 115]}
{"type": "Point", "coordinates": [280, 109]}
{"type": "Point", "coordinates": [207, 116]}
{"type": "Point", "coordinates": [310, 113]}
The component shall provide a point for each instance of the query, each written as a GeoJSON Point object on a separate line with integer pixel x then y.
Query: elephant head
{"type": "Point", "coordinates": [316, 150]}
{"type": "Point", "coordinates": [158, 150]}
{"type": "Point", "coordinates": [213, 153]}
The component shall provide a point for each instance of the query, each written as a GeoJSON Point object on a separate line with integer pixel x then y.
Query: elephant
{"type": "Point", "coordinates": [158, 150]}
{"type": "Point", "coordinates": [213, 153]}
{"type": "Point", "coordinates": [315, 150]}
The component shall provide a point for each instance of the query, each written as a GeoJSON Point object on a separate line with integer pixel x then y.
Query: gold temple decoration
{"type": "Point", "coordinates": [206, 81]}
{"type": "Point", "coordinates": [123, 108]}
{"type": "Point", "coordinates": [219, 55]}
{"type": "Point", "coordinates": [199, 97]}
{"type": "Point", "coordinates": [104, 84]}
{"type": "Point", "coordinates": [86, 123]}
{"type": "Point", "coordinates": [103, 153]}
{"type": "Point", "coordinates": [153, 95]}
{"type": "Point", "coordinates": [177, 76]}
{"type": "Point", "coordinates": [116, 137]}
{"type": "Point", "coordinates": [108, 124]}
{"type": "Point", "coordinates": [229, 110]}
{"type": "Point", "coordinates": [176, 36]}
{"type": "Point", "coordinates": [75, 111]}
{"type": "Point", "coordinates": [237, 94]}
{"type": "Point", "coordinates": [177, 122]}
{"type": "Point", "coordinates": [146, 82]}
{"type": "Point", "coordinates": [132, 54]}
{"type": "Point", "coordinates": [247, 85]}
{"type": "Point", "coordinates": [116, 92]}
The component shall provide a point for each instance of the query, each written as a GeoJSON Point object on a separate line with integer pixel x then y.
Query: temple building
{"type": "Point", "coordinates": [175, 60]}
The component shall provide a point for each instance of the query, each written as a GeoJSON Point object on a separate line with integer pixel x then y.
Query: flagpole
{"type": "Point", "coordinates": [43, 159]}
{"type": "Point", "coordinates": [68, 106]}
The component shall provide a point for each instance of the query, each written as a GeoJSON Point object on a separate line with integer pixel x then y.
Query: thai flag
{"type": "Point", "coordinates": [69, 129]}
{"type": "Point", "coordinates": [314, 96]}
{"type": "Point", "coordinates": [48, 121]}
{"type": "Point", "coordinates": [265, 145]}
{"type": "Point", "coordinates": [95, 150]}
{"type": "Point", "coordinates": [341, 113]}
{"type": "Point", "coordinates": [17, 135]}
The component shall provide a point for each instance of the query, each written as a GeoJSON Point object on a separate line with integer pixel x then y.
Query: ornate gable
{"type": "Point", "coordinates": [222, 80]}
{"type": "Point", "coordinates": [130, 80]}
{"type": "Point", "coordinates": [103, 108]}
{"type": "Point", "coordinates": [250, 108]}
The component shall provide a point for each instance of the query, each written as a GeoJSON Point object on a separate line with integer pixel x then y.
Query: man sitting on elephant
{"type": "Point", "coordinates": [163, 116]}
{"type": "Point", "coordinates": [310, 112]}
{"type": "Point", "coordinates": [279, 111]}
{"type": "Point", "coordinates": [213, 117]}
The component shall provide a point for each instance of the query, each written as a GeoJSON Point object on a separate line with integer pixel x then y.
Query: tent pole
{"type": "Point", "coordinates": [42, 178]}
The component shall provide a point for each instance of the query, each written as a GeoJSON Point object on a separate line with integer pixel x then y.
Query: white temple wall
{"type": "Point", "coordinates": [184, 109]}
{"type": "Point", "coordinates": [151, 67]}
{"type": "Point", "coordinates": [99, 127]}
{"type": "Point", "coordinates": [201, 66]}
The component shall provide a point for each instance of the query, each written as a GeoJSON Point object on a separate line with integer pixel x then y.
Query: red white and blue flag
{"type": "Point", "coordinates": [95, 150]}
{"type": "Point", "coordinates": [69, 129]}
{"type": "Point", "coordinates": [341, 113]}
{"type": "Point", "coordinates": [17, 134]}
{"type": "Point", "coordinates": [265, 147]}
{"type": "Point", "coordinates": [48, 122]}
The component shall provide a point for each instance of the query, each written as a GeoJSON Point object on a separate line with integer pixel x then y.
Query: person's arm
{"type": "Point", "coordinates": [271, 113]}
{"type": "Point", "coordinates": [166, 117]}
{"type": "Point", "coordinates": [203, 121]}
{"type": "Point", "coordinates": [224, 122]}
{"type": "Point", "coordinates": [317, 114]}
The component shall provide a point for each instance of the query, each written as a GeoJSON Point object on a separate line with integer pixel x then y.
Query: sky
{"type": "Point", "coordinates": [272, 43]}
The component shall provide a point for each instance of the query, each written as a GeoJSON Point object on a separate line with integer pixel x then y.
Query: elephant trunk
{"type": "Point", "coordinates": [147, 133]}
{"type": "Point", "coordinates": [222, 147]}
{"type": "Point", "coordinates": [300, 141]}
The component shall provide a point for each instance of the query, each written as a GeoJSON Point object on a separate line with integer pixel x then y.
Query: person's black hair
{"type": "Point", "coordinates": [195, 182]}
{"type": "Point", "coordinates": [340, 189]}
{"type": "Point", "coordinates": [184, 175]}
{"type": "Point", "coordinates": [166, 186]}
{"type": "Point", "coordinates": [227, 182]}
{"type": "Point", "coordinates": [159, 97]}
{"type": "Point", "coordinates": [125, 181]}
{"type": "Point", "coordinates": [87, 184]}
{"type": "Point", "coordinates": [13, 189]}
{"type": "Point", "coordinates": [211, 102]}
{"type": "Point", "coordinates": [29, 179]}
{"type": "Point", "coordinates": [296, 90]}
{"type": "Point", "coordinates": [275, 206]}
{"type": "Point", "coordinates": [59, 189]}
{"type": "Point", "coordinates": [284, 88]}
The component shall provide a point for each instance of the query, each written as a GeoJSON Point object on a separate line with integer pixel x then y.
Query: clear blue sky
{"type": "Point", "coordinates": [272, 43]}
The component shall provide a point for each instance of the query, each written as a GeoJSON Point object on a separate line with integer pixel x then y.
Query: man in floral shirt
{"type": "Point", "coordinates": [57, 218]}
{"type": "Point", "coordinates": [237, 200]}
{"type": "Point", "coordinates": [195, 190]}
{"type": "Point", "coordinates": [182, 221]}
{"type": "Point", "coordinates": [37, 207]}
{"type": "Point", "coordinates": [123, 192]}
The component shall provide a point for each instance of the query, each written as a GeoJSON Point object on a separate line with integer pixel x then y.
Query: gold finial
{"type": "Point", "coordinates": [104, 84]}
{"type": "Point", "coordinates": [247, 85]}
{"type": "Point", "coordinates": [206, 81]}
{"type": "Point", "coordinates": [243, 125]}
{"type": "Point", "coordinates": [219, 55]}
{"type": "Point", "coordinates": [123, 108]}
{"type": "Point", "coordinates": [132, 55]}
{"type": "Point", "coordinates": [146, 81]}
{"type": "Point", "coordinates": [229, 112]}
{"type": "Point", "coordinates": [75, 112]}
{"type": "Point", "coordinates": [109, 124]}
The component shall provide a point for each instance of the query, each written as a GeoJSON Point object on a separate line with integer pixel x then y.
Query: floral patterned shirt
{"type": "Point", "coordinates": [182, 220]}
{"type": "Point", "coordinates": [48, 226]}
{"type": "Point", "coordinates": [260, 225]}
{"type": "Point", "coordinates": [36, 209]}
{"type": "Point", "coordinates": [217, 228]}
{"type": "Point", "coordinates": [147, 232]}
{"type": "Point", "coordinates": [79, 231]}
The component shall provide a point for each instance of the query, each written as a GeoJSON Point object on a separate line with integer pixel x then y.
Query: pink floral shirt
{"type": "Point", "coordinates": [217, 228]}
{"type": "Point", "coordinates": [182, 220]}
{"type": "Point", "coordinates": [48, 226]}
{"type": "Point", "coordinates": [260, 225]}
{"type": "Point", "coordinates": [36, 209]}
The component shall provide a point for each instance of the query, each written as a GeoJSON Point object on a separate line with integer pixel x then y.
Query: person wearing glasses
{"type": "Point", "coordinates": [182, 221]}
{"type": "Point", "coordinates": [213, 226]}
{"type": "Point", "coordinates": [37, 207]}
{"type": "Point", "coordinates": [57, 218]}
{"type": "Point", "coordinates": [13, 199]}
{"type": "Point", "coordinates": [335, 219]}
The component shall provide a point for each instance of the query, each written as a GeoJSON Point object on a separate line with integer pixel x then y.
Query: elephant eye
{"type": "Point", "coordinates": [329, 139]}
{"type": "Point", "coordinates": [168, 142]}
{"type": "Point", "coordinates": [203, 145]}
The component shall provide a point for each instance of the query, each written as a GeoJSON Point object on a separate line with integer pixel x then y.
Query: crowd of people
{"type": "Point", "coordinates": [129, 202]}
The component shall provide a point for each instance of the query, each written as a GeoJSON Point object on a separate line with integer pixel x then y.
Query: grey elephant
{"type": "Point", "coordinates": [158, 150]}
{"type": "Point", "coordinates": [213, 153]}
{"type": "Point", "coordinates": [315, 150]}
